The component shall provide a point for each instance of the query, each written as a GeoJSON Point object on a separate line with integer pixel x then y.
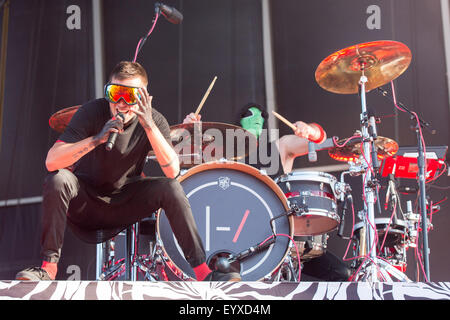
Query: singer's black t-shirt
{"type": "Point", "coordinates": [107, 172]}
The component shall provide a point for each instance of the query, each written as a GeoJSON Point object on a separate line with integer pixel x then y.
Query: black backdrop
{"type": "Point", "coordinates": [50, 67]}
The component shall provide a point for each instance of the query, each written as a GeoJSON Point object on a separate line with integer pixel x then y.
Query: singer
{"type": "Point", "coordinates": [253, 118]}
{"type": "Point", "coordinates": [104, 191]}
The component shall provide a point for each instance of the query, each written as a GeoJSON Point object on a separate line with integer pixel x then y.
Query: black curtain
{"type": "Point", "coordinates": [49, 67]}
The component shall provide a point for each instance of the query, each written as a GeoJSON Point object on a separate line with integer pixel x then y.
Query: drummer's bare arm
{"type": "Point", "coordinates": [191, 118]}
{"type": "Point", "coordinates": [292, 146]}
{"type": "Point", "coordinates": [164, 152]}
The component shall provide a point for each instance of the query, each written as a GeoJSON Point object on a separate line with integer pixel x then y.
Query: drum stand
{"type": "Point", "coordinates": [152, 265]}
{"type": "Point", "coordinates": [287, 271]}
{"type": "Point", "coordinates": [372, 269]}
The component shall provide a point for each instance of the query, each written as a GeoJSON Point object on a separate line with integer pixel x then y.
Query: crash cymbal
{"type": "Point", "coordinates": [59, 120]}
{"type": "Point", "coordinates": [382, 62]}
{"type": "Point", "coordinates": [351, 151]}
{"type": "Point", "coordinates": [200, 142]}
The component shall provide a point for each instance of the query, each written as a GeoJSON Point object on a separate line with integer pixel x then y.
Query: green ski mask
{"type": "Point", "coordinates": [253, 123]}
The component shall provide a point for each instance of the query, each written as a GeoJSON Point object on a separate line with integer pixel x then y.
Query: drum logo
{"type": "Point", "coordinates": [224, 182]}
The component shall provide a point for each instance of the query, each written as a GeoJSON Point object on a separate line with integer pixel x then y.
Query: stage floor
{"type": "Point", "coordinates": [177, 290]}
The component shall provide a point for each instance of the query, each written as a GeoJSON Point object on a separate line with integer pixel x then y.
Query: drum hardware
{"type": "Point", "coordinates": [151, 265]}
{"type": "Point", "coordinates": [358, 69]}
{"type": "Point", "coordinates": [347, 198]}
{"type": "Point", "coordinates": [413, 224]}
{"type": "Point", "coordinates": [289, 271]}
{"type": "Point", "coordinates": [294, 210]}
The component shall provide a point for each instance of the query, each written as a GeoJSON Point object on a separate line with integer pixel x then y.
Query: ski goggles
{"type": "Point", "coordinates": [115, 92]}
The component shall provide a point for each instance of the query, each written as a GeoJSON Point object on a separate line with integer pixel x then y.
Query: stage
{"type": "Point", "coordinates": [177, 290]}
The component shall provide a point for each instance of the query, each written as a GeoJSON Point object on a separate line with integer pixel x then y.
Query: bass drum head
{"type": "Point", "coordinates": [232, 204]}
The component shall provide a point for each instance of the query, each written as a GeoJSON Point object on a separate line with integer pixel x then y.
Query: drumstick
{"type": "Point", "coordinates": [205, 96]}
{"type": "Point", "coordinates": [287, 122]}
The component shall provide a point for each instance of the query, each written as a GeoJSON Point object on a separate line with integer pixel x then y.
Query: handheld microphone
{"type": "Point", "coordinates": [171, 14]}
{"type": "Point", "coordinates": [113, 135]}
{"type": "Point", "coordinates": [312, 154]}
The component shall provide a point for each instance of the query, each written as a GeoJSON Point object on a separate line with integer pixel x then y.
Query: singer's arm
{"type": "Point", "coordinates": [62, 155]}
{"type": "Point", "coordinates": [164, 152]}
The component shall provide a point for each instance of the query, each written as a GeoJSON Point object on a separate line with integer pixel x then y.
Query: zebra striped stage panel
{"type": "Point", "coordinates": [176, 290]}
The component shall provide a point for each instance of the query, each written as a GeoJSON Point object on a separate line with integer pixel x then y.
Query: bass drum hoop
{"type": "Point", "coordinates": [231, 166]}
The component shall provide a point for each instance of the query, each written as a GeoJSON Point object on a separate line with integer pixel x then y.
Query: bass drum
{"type": "Point", "coordinates": [232, 204]}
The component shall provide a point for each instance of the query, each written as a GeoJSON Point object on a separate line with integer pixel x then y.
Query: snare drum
{"type": "Point", "coordinates": [232, 204]}
{"type": "Point", "coordinates": [312, 192]}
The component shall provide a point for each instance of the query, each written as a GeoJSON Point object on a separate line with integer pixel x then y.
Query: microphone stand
{"type": "Point", "coordinates": [143, 39]}
{"type": "Point", "coordinates": [420, 123]}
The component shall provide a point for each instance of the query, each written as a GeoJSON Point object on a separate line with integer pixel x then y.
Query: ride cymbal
{"type": "Point", "coordinates": [382, 61]}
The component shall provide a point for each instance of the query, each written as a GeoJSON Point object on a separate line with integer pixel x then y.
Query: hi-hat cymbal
{"type": "Point", "coordinates": [382, 62]}
{"type": "Point", "coordinates": [351, 151]}
{"type": "Point", "coordinates": [200, 142]}
{"type": "Point", "coordinates": [59, 120]}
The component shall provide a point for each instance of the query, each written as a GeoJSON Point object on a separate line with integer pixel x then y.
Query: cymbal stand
{"type": "Point", "coordinates": [373, 269]}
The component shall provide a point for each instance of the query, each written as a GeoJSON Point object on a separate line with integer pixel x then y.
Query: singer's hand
{"type": "Point", "coordinates": [113, 125]}
{"type": "Point", "coordinates": [144, 110]}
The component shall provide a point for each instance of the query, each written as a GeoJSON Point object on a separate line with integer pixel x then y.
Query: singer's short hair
{"type": "Point", "coordinates": [127, 69]}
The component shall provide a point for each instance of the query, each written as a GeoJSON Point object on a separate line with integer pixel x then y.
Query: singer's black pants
{"type": "Point", "coordinates": [68, 200]}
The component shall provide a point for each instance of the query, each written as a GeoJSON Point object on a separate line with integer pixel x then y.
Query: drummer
{"type": "Point", "coordinates": [253, 118]}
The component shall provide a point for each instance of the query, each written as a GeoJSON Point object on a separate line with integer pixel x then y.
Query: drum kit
{"type": "Point", "coordinates": [265, 229]}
